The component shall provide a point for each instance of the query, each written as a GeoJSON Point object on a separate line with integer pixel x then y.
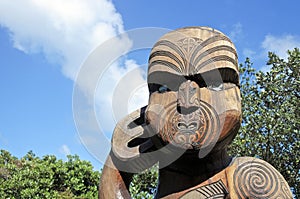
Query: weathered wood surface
{"type": "Point", "coordinates": [114, 183]}
{"type": "Point", "coordinates": [194, 107]}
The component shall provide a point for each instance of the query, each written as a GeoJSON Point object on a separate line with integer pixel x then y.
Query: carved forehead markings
{"type": "Point", "coordinates": [179, 67]}
{"type": "Point", "coordinates": [188, 44]}
{"type": "Point", "coordinates": [183, 56]}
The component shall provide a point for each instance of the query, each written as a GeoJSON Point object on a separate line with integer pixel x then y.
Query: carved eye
{"type": "Point", "coordinates": [216, 86]}
{"type": "Point", "coordinates": [163, 89]}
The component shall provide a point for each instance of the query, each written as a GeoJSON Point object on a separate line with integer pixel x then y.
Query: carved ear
{"type": "Point", "coordinates": [130, 143]}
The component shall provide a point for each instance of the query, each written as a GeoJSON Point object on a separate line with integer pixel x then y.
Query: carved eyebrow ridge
{"type": "Point", "coordinates": [212, 50]}
{"type": "Point", "coordinates": [165, 63]}
{"type": "Point", "coordinates": [172, 46]}
{"type": "Point", "coordinates": [216, 58]}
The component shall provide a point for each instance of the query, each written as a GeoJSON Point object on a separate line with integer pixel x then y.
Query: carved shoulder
{"type": "Point", "coordinates": [254, 178]}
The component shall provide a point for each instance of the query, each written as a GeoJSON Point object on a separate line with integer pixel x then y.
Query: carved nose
{"type": "Point", "coordinates": [188, 97]}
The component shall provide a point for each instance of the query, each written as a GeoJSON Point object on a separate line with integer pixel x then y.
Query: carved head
{"type": "Point", "coordinates": [194, 89]}
{"type": "Point", "coordinates": [194, 102]}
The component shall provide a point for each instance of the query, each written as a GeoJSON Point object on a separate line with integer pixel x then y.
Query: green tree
{"type": "Point", "coordinates": [144, 185]}
{"type": "Point", "coordinates": [47, 177]}
{"type": "Point", "coordinates": [270, 106]}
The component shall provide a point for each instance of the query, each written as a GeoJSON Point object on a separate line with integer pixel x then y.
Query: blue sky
{"type": "Point", "coordinates": [44, 43]}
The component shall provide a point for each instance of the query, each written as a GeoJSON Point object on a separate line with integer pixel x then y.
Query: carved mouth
{"type": "Point", "coordinates": [189, 128]}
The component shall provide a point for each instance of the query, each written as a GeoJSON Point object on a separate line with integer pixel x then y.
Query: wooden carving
{"type": "Point", "coordinates": [194, 112]}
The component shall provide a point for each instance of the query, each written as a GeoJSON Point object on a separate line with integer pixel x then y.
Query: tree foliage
{"type": "Point", "coordinates": [144, 185]}
{"type": "Point", "coordinates": [47, 177]}
{"type": "Point", "coordinates": [270, 106]}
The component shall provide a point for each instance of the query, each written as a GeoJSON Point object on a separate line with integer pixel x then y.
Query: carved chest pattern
{"type": "Point", "coordinates": [215, 190]}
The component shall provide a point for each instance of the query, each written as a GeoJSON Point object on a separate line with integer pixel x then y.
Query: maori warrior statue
{"type": "Point", "coordinates": [193, 114]}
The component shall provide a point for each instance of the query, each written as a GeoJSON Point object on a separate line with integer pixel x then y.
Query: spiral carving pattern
{"type": "Point", "coordinates": [255, 179]}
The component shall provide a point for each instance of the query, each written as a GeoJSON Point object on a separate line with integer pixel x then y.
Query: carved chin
{"type": "Point", "coordinates": [191, 131]}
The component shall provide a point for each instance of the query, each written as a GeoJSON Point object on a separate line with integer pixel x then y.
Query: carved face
{"type": "Point", "coordinates": [193, 82]}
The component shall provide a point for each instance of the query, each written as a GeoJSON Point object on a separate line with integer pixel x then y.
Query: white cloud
{"type": "Point", "coordinates": [138, 98]}
{"type": "Point", "coordinates": [277, 44]}
{"type": "Point", "coordinates": [280, 44]}
{"type": "Point", "coordinates": [124, 91]}
{"type": "Point", "coordinates": [64, 149]}
{"type": "Point", "coordinates": [96, 113]}
{"type": "Point", "coordinates": [248, 52]}
{"type": "Point", "coordinates": [236, 32]}
{"type": "Point", "coordinates": [64, 31]}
